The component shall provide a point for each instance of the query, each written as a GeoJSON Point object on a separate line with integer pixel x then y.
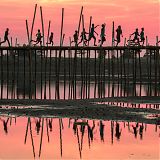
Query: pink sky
{"type": "Point", "coordinates": [129, 13]}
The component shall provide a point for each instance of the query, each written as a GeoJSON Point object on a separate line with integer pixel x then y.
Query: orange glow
{"type": "Point", "coordinates": [130, 14]}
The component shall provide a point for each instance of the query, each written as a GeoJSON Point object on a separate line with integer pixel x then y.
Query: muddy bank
{"type": "Point", "coordinates": [81, 109]}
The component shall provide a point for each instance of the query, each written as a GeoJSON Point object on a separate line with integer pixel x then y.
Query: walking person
{"type": "Point", "coordinates": [142, 39]}
{"type": "Point", "coordinates": [136, 36]}
{"type": "Point", "coordinates": [118, 35]}
{"type": "Point", "coordinates": [91, 34]}
{"type": "Point", "coordinates": [51, 39]}
{"type": "Point", "coordinates": [6, 37]}
{"type": "Point", "coordinates": [38, 38]}
{"type": "Point", "coordinates": [83, 37]}
{"type": "Point", "coordinates": [75, 37]}
{"type": "Point", "coordinates": [102, 36]}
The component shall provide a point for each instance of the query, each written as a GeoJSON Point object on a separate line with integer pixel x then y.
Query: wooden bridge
{"type": "Point", "coordinates": [22, 69]}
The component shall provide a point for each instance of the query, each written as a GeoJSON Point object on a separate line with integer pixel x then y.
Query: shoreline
{"type": "Point", "coordinates": [84, 109]}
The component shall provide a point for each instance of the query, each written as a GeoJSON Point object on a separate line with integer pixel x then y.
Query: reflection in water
{"type": "Point", "coordinates": [75, 135]}
{"type": "Point", "coordinates": [80, 91]}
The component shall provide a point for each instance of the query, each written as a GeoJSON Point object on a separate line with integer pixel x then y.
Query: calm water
{"type": "Point", "coordinates": [53, 138]}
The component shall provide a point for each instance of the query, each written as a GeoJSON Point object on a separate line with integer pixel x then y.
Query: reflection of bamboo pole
{"type": "Point", "coordinates": [33, 22]}
{"type": "Point", "coordinates": [27, 130]}
{"type": "Point", "coordinates": [112, 131]}
{"type": "Point", "coordinates": [60, 134]}
{"type": "Point", "coordinates": [41, 137]}
{"type": "Point", "coordinates": [47, 129]}
{"type": "Point", "coordinates": [79, 146]}
{"type": "Point", "coordinates": [32, 139]}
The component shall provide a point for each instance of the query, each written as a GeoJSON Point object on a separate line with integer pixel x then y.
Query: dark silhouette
{"type": "Point", "coordinates": [38, 39]}
{"type": "Point", "coordinates": [135, 130]}
{"type": "Point", "coordinates": [136, 35]}
{"type": "Point", "coordinates": [6, 37]}
{"type": "Point", "coordinates": [75, 127]}
{"type": "Point", "coordinates": [75, 37]}
{"type": "Point", "coordinates": [50, 124]}
{"type": "Point", "coordinates": [119, 34]}
{"type": "Point", "coordinates": [101, 130]}
{"type": "Point", "coordinates": [142, 38]}
{"type": "Point", "coordinates": [51, 39]}
{"type": "Point", "coordinates": [90, 131]}
{"type": "Point", "coordinates": [118, 131]}
{"type": "Point", "coordinates": [102, 36]}
{"type": "Point", "coordinates": [5, 125]}
{"type": "Point", "coordinates": [38, 125]}
{"type": "Point", "coordinates": [141, 131]}
{"type": "Point", "coordinates": [83, 37]}
{"type": "Point", "coordinates": [91, 34]}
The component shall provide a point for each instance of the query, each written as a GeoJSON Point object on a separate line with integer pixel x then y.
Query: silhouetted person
{"type": "Point", "coordinates": [38, 125]}
{"type": "Point", "coordinates": [102, 36]}
{"type": "Point", "coordinates": [51, 39]}
{"type": "Point", "coordinates": [141, 131]}
{"type": "Point", "coordinates": [118, 131]}
{"type": "Point", "coordinates": [118, 35]}
{"type": "Point", "coordinates": [83, 37]}
{"type": "Point", "coordinates": [136, 35]}
{"type": "Point", "coordinates": [142, 38]}
{"type": "Point", "coordinates": [90, 131]}
{"type": "Point", "coordinates": [75, 37]}
{"type": "Point", "coordinates": [101, 130]}
{"type": "Point", "coordinates": [50, 124]}
{"type": "Point", "coordinates": [91, 34]}
{"type": "Point", "coordinates": [38, 38]}
{"type": "Point", "coordinates": [6, 37]}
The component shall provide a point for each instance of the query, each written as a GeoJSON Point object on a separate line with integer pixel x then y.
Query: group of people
{"type": "Point", "coordinates": [83, 36]}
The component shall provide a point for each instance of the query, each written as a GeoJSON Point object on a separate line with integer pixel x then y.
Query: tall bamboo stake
{"type": "Point", "coordinates": [33, 22]}
{"type": "Point", "coordinates": [27, 29]}
{"type": "Point", "coordinates": [42, 25]}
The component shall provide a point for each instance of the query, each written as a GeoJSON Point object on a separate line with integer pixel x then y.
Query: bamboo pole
{"type": "Point", "coordinates": [34, 16]}
{"type": "Point", "coordinates": [80, 20]}
{"type": "Point", "coordinates": [28, 122]}
{"type": "Point", "coordinates": [32, 139]}
{"type": "Point", "coordinates": [46, 57]}
{"type": "Point", "coordinates": [42, 25]}
{"type": "Point", "coordinates": [27, 31]}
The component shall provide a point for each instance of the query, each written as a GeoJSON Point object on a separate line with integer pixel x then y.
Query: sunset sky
{"type": "Point", "coordinates": [130, 14]}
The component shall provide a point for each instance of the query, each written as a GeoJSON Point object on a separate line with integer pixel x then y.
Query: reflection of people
{"type": "Point", "coordinates": [38, 39]}
{"type": "Point", "coordinates": [90, 131]}
{"type": "Point", "coordinates": [5, 125]}
{"type": "Point", "coordinates": [38, 125]}
{"type": "Point", "coordinates": [6, 37]}
{"type": "Point", "coordinates": [118, 131]}
{"type": "Point", "coordinates": [50, 124]}
{"type": "Point", "coordinates": [141, 131]}
{"type": "Point", "coordinates": [135, 130]}
{"type": "Point", "coordinates": [101, 130]}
